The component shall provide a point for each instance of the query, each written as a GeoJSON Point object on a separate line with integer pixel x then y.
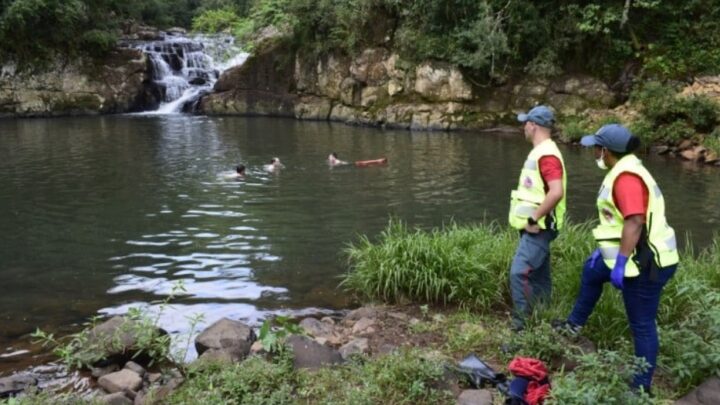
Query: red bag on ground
{"type": "Point", "coordinates": [536, 372]}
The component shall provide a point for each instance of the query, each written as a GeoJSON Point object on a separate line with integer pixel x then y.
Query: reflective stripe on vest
{"type": "Point", "coordinates": [530, 192]}
{"type": "Point", "coordinates": [660, 236]}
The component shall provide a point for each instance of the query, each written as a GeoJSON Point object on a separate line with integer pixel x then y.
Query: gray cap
{"type": "Point", "coordinates": [540, 115]}
{"type": "Point", "coordinates": [615, 137]}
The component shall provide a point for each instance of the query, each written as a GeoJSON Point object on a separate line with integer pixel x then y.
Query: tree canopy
{"type": "Point", "coordinates": [489, 39]}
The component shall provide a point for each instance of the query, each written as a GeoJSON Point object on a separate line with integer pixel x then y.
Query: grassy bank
{"type": "Point", "coordinates": [468, 266]}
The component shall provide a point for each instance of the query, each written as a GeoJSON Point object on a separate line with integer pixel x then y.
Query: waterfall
{"type": "Point", "coordinates": [186, 68]}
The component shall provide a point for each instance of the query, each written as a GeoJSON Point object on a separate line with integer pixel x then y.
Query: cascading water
{"type": "Point", "coordinates": [186, 68]}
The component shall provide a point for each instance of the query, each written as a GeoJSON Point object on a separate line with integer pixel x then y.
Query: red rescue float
{"type": "Point", "coordinates": [374, 162]}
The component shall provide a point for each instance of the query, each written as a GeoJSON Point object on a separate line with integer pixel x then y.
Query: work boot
{"type": "Point", "coordinates": [566, 328]}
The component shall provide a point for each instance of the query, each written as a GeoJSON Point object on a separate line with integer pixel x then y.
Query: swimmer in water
{"type": "Point", "coordinates": [240, 169]}
{"type": "Point", "coordinates": [274, 165]}
{"type": "Point", "coordinates": [334, 161]}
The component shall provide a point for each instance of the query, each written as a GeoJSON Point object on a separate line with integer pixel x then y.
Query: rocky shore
{"type": "Point", "coordinates": [369, 332]}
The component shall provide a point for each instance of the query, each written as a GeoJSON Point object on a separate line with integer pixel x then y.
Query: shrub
{"type": "Point", "coordinates": [213, 21]}
{"type": "Point", "coordinates": [404, 377]}
{"type": "Point", "coordinates": [712, 141]}
{"type": "Point", "coordinates": [668, 117]}
{"type": "Point", "coordinates": [83, 350]}
{"type": "Point", "coordinates": [599, 378]}
{"type": "Point", "coordinates": [573, 127]}
{"type": "Point", "coordinates": [254, 381]}
{"type": "Point", "coordinates": [459, 265]}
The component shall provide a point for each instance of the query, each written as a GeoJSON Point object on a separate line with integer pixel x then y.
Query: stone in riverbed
{"type": "Point", "coordinates": [475, 397]}
{"type": "Point", "coordinates": [355, 346]}
{"type": "Point", "coordinates": [231, 354]}
{"type": "Point", "coordinates": [316, 328]}
{"type": "Point", "coordinates": [363, 326]}
{"type": "Point", "coordinates": [225, 333]}
{"type": "Point", "coordinates": [15, 384]}
{"type": "Point", "coordinates": [120, 381]}
{"type": "Point", "coordinates": [362, 312]}
{"type": "Point", "coordinates": [115, 340]}
{"type": "Point", "coordinates": [310, 354]}
{"type": "Point", "coordinates": [98, 372]}
{"type": "Point", "coordinates": [117, 398]}
{"type": "Point", "coordinates": [132, 366]}
{"type": "Point", "coordinates": [706, 393]}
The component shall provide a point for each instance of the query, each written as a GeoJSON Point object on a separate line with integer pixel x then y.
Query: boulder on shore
{"type": "Point", "coordinates": [15, 384]}
{"type": "Point", "coordinates": [226, 334]}
{"type": "Point", "coordinates": [310, 354]}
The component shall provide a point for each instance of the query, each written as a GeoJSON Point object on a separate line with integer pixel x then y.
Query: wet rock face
{"type": "Point", "coordinates": [113, 85]}
{"type": "Point", "coordinates": [263, 85]}
{"type": "Point", "coordinates": [377, 88]}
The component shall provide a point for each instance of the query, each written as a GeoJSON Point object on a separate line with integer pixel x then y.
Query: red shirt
{"type": "Point", "coordinates": [550, 169]}
{"type": "Point", "coordinates": [630, 194]}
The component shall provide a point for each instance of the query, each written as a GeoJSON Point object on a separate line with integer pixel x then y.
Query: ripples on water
{"type": "Point", "coordinates": [101, 214]}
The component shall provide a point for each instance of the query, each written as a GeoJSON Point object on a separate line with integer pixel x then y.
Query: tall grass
{"type": "Point", "coordinates": [465, 265]}
{"type": "Point", "coordinates": [468, 266]}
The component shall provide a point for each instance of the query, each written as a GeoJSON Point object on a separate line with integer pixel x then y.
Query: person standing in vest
{"type": "Point", "coordinates": [537, 210]}
{"type": "Point", "coordinates": [637, 250]}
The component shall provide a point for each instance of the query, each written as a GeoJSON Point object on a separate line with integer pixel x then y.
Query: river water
{"type": "Point", "coordinates": [103, 213]}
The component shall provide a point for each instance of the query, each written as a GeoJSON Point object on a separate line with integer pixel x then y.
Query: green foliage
{"type": "Point", "coordinates": [404, 377]}
{"type": "Point", "coordinates": [668, 117]}
{"type": "Point", "coordinates": [34, 32]}
{"type": "Point", "coordinates": [432, 267]}
{"type": "Point", "coordinates": [254, 381]}
{"type": "Point", "coordinates": [239, 7]}
{"type": "Point", "coordinates": [490, 39]}
{"type": "Point", "coordinates": [213, 21]}
{"type": "Point", "coordinates": [600, 378]}
{"type": "Point", "coordinates": [494, 38]}
{"type": "Point", "coordinates": [31, 30]}
{"type": "Point", "coordinates": [399, 378]}
{"type": "Point", "coordinates": [712, 141]}
{"type": "Point", "coordinates": [689, 319]}
{"type": "Point", "coordinates": [573, 127]}
{"type": "Point", "coordinates": [273, 338]}
{"type": "Point", "coordinates": [541, 342]}
{"type": "Point", "coordinates": [458, 265]}
{"type": "Point", "coordinates": [82, 349]}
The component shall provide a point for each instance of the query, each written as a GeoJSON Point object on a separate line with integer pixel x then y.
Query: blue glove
{"type": "Point", "coordinates": [593, 259]}
{"type": "Point", "coordinates": [618, 272]}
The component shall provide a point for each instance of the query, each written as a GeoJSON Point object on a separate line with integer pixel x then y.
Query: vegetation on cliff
{"type": "Point", "coordinates": [495, 38]}
{"type": "Point", "coordinates": [491, 39]}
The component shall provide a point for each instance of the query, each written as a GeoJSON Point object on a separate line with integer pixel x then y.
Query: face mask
{"type": "Point", "coordinates": [601, 162]}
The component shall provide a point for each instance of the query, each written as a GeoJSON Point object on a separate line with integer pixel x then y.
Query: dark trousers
{"type": "Point", "coordinates": [530, 279]}
{"type": "Point", "coordinates": [641, 296]}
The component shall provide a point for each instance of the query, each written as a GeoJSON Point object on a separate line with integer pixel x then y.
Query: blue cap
{"type": "Point", "coordinates": [540, 115]}
{"type": "Point", "coordinates": [615, 137]}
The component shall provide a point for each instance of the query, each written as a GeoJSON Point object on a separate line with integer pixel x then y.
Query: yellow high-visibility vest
{"type": "Point", "coordinates": [660, 236]}
{"type": "Point", "coordinates": [530, 191]}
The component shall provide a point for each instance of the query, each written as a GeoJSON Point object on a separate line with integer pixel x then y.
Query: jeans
{"type": "Point", "coordinates": [530, 280]}
{"type": "Point", "coordinates": [641, 297]}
